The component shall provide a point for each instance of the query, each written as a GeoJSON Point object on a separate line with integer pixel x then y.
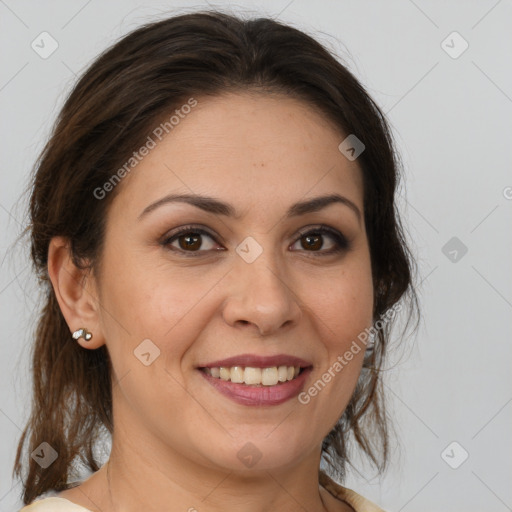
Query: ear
{"type": "Point", "coordinates": [76, 294]}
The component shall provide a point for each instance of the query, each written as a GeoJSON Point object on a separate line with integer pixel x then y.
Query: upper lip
{"type": "Point", "coordinates": [257, 361]}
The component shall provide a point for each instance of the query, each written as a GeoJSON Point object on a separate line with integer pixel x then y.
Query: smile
{"type": "Point", "coordinates": [251, 376]}
{"type": "Point", "coordinates": [263, 386]}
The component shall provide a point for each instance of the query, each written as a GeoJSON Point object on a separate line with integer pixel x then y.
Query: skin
{"type": "Point", "coordinates": [176, 438]}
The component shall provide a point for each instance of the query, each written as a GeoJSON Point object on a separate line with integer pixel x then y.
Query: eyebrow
{"type": "Point", "coordinates": [215, 206]}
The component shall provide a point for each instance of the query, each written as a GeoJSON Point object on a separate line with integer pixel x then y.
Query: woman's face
{"type": "Point", "coordinates": [245, 280]}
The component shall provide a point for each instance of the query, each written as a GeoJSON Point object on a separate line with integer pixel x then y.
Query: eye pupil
{"type": "Point", "coordinates": [313, 242]}
{"type": "Point", "coordinates": [192, 241]}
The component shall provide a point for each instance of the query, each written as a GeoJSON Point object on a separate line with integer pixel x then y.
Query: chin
{"type": "Point", "coordinates": [263, 449]}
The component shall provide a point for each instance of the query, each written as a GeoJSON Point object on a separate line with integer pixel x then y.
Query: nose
{"type": "Point", "coordinates": [261, 297]}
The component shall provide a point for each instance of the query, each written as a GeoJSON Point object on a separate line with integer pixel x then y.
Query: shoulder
{"type": "Point", "coordinates": [356, 501]}
{"type": "Point", "coordinates": [53, 504]}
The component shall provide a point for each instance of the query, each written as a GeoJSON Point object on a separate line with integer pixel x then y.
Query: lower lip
{"type": "Point", "coordinates": [259, 395]}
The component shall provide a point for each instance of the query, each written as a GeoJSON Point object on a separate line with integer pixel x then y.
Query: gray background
{"type": "Point", "coordinates": [452, 118]}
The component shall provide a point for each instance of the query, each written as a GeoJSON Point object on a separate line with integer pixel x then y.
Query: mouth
{"type": "Point", "coordinates": [251, 376]}
{"type": "Point", "coordinates": [254, 380]}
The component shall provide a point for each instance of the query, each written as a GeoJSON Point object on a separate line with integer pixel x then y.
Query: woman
{"type": "Point", "coordinates": [213, 219]}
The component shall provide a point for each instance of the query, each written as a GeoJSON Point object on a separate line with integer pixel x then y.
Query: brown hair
{"type": "Point", "coordinates": [109, 113]}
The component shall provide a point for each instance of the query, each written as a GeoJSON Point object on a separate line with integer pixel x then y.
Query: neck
{"type": "Point", "coordinates": [150, 479]}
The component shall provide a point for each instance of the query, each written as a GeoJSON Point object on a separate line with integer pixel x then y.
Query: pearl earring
{"type": "Point", "coordinates": [82, 333]}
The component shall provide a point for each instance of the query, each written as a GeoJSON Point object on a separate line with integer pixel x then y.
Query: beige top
{"type": "Point", "coordinates": [356, 501]}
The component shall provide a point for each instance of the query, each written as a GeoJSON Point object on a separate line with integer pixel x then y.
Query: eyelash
{"type": "Point", "coordinates": [341, 243]}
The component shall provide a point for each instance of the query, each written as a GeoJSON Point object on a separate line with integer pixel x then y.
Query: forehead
{"type": "Point", "coordinates": [250, 149]}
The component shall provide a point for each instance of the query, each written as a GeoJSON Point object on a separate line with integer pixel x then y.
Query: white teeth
{"type": "Point", "coordinates": [255, 376]}
{"type": "Point", "coordinates": [252, 375]}
{"type": "Point", "coordinates": [282, 373]}
{"type": "Point", "coordinates": [269, 376]}
{"type": "Point", "coordinates": [237, 374]}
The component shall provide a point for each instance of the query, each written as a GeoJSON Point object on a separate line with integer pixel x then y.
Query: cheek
{"type": "Point", "coordinates": [343, 302]}
{"type": "Point", "coordinates": [147, 295]}
{"type": "Point", "coordinates": [342, 308]}
{"type": "Point", "coordinates": [157, 302]}
{"type": "Point", "coordinates": [343, 319]}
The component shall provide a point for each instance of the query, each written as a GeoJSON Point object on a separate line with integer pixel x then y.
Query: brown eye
{"type": "Point", "coordinates": [312, 242]}
{"type": "Point", "coordinates": [190, 241]}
